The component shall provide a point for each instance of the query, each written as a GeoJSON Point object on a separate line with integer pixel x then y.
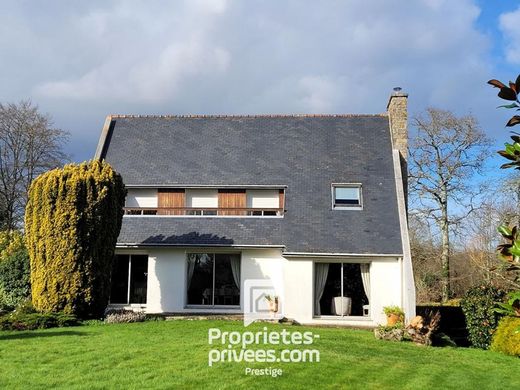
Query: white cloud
{"type": "Point", "coordinates": [145, 56]}
{"type": "Point", "coordinates": [148, 79]}
{"type": "Point", "coordinates": [330, 54]}
{"type": "Point", "coordinates": [319, 93]}
{"type": "Point", "coordinates": [510, 26]}
{"type": "Point", "coordinates": [235, 56]}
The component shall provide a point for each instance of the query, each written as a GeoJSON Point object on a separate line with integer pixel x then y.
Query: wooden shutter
{"type": "Point", "coordinates": [170, 197]}
{"type": "Point", "coordinates": [281, 203]}
{"type": "Point", "coordinates": [231, 199]}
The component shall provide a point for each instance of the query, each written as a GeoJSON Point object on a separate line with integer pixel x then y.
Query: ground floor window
{"type": "Point", "coordinates": [129, 279]}
{"type": "Point", "coordinates": [213, 279]}
{"type": "Point", "coordinates": [341, 289]}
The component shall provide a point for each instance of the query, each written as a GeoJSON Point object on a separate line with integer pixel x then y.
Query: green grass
{"type": "Point", "coordinates": [174, 354]}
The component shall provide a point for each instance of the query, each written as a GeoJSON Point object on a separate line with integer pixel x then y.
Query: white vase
{"type": "Point", "coordinates": [341, 306]}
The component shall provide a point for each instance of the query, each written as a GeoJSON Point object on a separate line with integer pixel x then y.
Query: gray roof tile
{"type": "Point", "coordinates": [304, 153]}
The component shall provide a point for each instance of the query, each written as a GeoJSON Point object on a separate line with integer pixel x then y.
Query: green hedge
{"type": "Point", "coordinates": [507, 336]}
{"type": "Point", "coordinates": [72, 220]}
{"type": "Point", "coordinates": [452, 323]}
{"type": "Point", "coordinates": [15, 283]}
{"type": "Point", "coordinates": [31, 321]}
{"type": "Point", "coordinates": [478, 305]}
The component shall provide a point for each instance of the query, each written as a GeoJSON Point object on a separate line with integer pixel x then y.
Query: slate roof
{"type": "Point", "coordinates": [305, 153]}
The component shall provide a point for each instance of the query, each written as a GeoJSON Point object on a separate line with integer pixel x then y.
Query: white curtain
{"type": "Point", "coordinates": [365, 276]}
{"type": "Point", "coordinates": [235, 269]}
{"type": "Point", "coordinates": [320, 278]}
{"type": "Point", "coordinates": [192, 259]}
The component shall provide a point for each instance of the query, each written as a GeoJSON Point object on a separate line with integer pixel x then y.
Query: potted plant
{"type": "Point", "coordinates": [394, 315]}
{"type": "Point", "coordinates": [272, 301]}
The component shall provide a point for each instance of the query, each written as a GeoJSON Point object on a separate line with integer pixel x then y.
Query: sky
{"type": "Point", "coordinates": [82, 60]}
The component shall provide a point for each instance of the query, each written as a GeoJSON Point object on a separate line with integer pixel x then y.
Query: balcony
{"type": "Point", "coordinates": [206, 211]}
{"type": "Point", "coordinates": [206, 202]}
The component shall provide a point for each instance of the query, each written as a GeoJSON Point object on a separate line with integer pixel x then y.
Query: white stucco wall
{"type": "Point", "coordinates": [166, 280]}
{"type": "Point", "coordinates": [293, 277]}
{"type": "Point", "coordinates": [141, 197]}
{"type": "Point", "coordinates": [201, 198]}
{"type": "Point", "coordinates": [268, 199]}
{"type": "Point", "coordinates": [385, 283]}
{"type": "Point", "coordinates": [167, 276]}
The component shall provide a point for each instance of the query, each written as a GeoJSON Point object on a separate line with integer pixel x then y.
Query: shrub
{"type": "Point", "coordinates": [124, 316]}
{"type": "Point", "coordinates": [72, 220]}
{"type": "Point", "coordinates": [478, 305]}
{"type": "Point", "coordinates": [25, 307]}
{"type": "Point", "coordinates": [507, 336]}
{"type": "Point", "coordinates": [393, 310]}
{"type": "Point", "coordinates": [512, 306]}
{"type": "Point", "coordinates": [14, 278]}
{"type": "Point", "coordinates": [5, 304]}
{"type": "Point", "coordinates": [11, 242]}
{"type": "Point", "coordinates": [31, 321]}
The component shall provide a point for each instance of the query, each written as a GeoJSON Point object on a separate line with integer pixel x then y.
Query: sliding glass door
{"type": "Point", "coordinates": [213, 279]}
{"type": "Point", "coordinates": [129, 279]}
{"type": "Point", "coordinates": [341, 289]}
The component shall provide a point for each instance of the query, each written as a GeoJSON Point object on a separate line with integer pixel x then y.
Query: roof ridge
{"type": "Point", "coordinates": [123, 116]}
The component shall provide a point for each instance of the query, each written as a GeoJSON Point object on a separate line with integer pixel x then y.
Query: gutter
{"type": "Point", "coordinates": [246, 246]}
{"type": "Point", "coordinates": [136, 245]}
{"type": "Point", "coordinates": [339, 255]}
{"type": "Point", "coordinates": [197, 186]}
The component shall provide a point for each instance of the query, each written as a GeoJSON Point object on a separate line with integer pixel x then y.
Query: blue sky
{"type": "Point", "coordinates": [80, 61]}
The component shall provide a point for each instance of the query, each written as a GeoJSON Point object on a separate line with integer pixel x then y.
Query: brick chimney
{"type": "Point", "coordinates": [398, 117]}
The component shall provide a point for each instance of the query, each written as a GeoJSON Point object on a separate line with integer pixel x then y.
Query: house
{"type": "Point", "coordinates": [315, 203]}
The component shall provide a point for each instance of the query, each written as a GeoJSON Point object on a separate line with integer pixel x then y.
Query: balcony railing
{"type": "Point", "coordinates": [204, 211]}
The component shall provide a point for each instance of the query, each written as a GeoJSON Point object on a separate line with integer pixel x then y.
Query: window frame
{"type": "Point", "coordinates": [333, 187]}
{"type": "Point", "coordinates": [342, 317]}
{"type": "Point", "coordinates": [211, 306]}
{"type": "Point", "coordinates": [129, 281]}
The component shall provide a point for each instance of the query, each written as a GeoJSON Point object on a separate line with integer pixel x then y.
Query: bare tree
{"type": "Point", "coordinates": [29, 146]}
{"type": "Point", "coordinates": [482, 239]}
{"type": "Point", "coordinates": [445, 155]}
{"type": "Point", "coordinates": [424, 247]}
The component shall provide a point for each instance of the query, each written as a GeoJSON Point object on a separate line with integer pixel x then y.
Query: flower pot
{"type": "Point", "coordinates": [341, 306]}
{"type": "Point", "coordinates": [392, 319]}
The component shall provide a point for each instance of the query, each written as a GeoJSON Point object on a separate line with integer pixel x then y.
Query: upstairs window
{"type": "Point", "coordinates": [206, 202]}
{"type": "Point", "coordinates": [346, 196]}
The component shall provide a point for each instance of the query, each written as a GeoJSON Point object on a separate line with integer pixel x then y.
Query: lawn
{"type": "Point", "coordinates": [174, 354]}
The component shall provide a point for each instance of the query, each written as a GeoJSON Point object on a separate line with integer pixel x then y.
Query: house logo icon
{"type": "Point", "coordinates": [262, 301]}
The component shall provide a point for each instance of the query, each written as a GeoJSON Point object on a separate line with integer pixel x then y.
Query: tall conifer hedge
{"type": "Point", "coordinates": [72, 220]}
